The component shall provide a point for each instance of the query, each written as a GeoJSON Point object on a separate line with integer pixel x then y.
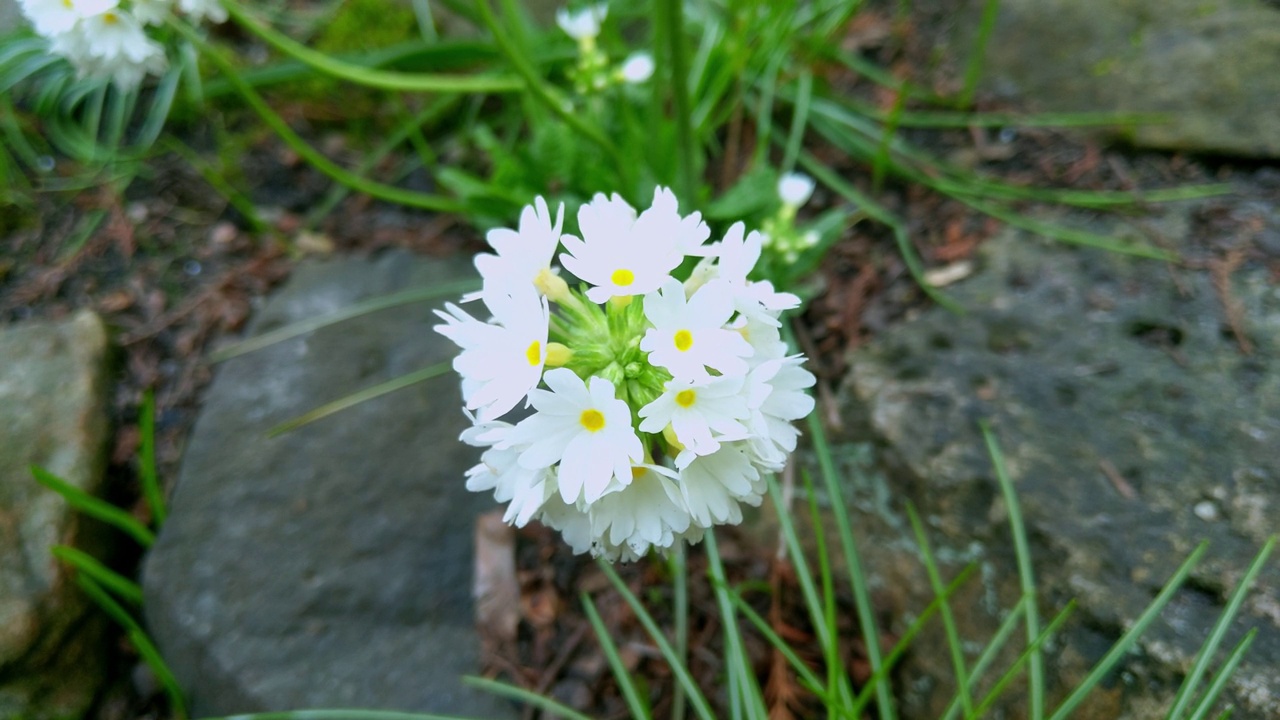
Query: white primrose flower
{"type": "Point", "coordinates": [647, 513]}
{"type": "Point", "coordinates": [521, 255]}
{"type": "Point", "coordinates": [778, 399]}
{"type": "Point", "coordinates": [583, 24]}
{"type": "Point", "coordinates": [500, 361]}
{"type": "Point", "coordinates": [638, 68]}
{"type": "Point", "coordinates": [54, 17]}
{"type": "Point", "coordinates": [584, 428]}
{"type": "Point", "coordinates": [151, 12]}
{"type": "Point", "coordinates": [701, 414]}
{"type": "Point", "coordinates": [658, 415]}
{"type": "Point", "coordinates": [795, 189]}
{"type": "Point", "coordinates": [622, 254]}
{"type": "Point", "coordinates": [714, 485]}
{"type": "Point", "coordinates": [499, 470]}
{"type": "Point", "coordinates": [736, 255]}
{"type": "Point", "coordinates": [200, 9]}
{"type": "Point", "coordinates": [113, 45]}
{"type": "Point", "coordinates": [689, 335]}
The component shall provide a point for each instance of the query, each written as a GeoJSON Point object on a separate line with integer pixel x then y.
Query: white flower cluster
{"type": "Point", "coordinates": [108, 38]}
{"type": "Point", "coordinates": [593, 72]}
{"type": "Point", "coordinates": [664, 401]}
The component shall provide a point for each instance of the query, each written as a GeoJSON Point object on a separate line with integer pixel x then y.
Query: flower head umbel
{"type": "Point", "coordinates": [658, 404]}
{"type": "Point", "coordinates": [109, 38]}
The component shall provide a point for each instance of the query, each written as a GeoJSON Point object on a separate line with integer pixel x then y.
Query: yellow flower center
{"type": "Point", "coordinates": [622, 277]}
{"type": "Point", "coordinates": [638, 471]}
{"type": "Point", "coordinates": [592, 420]}
{"type": "Point", "coordinates": [67, 4]}
{"type": "Point", "coordinates": [686, 398]}
{"type": "Point", "coordinates": [534, 353]}
{"type": "Point", "coordinates": [684, 340]}
{"type": "Point", "coordinates": [110, 18]}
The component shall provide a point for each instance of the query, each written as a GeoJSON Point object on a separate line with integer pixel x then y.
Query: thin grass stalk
{"type": "Point", "coordinates": [880, 162]}
{"type": "Point", "coordinates": [747, 686]}
{"type": "Point", "coordinates": [678, 82]}
{"type": "Point", "coordinates": [1224, 675]}
{"type": "Point", "coordinates": [381, 79]}
{"type": "Point", "coordinates": [1183, 699]}
{"type": "Point", "coordinates": [799, 121]}
{"type": "Point", "coordinates": [1126, 641]}
{"type": "Point", "coordinates": [977, 58]}
{"type": "Point", "coordinates": [948, 621]}
{"type": "Point", "coordinates": [988, 655]}
{"type": "Point", "coordinates": [680, 596]}
{"type": "Point", "coordinates": [1030, 653]}
{"type": "Point", "coordinates": [308, 153]}
{"type": "Point", "coordinates": [355, 398]}
{"type": "Point", "coordinates": [151, 489]}
{"type": "Point", "coordinates": [837, 677]}
{"type": "Point", "coordinates": [857, 579]}
{"type": "Point", "coordinates": [95, 507]}
{"type": "Point", "coordinates": [681, 673]}
{"type": "Point", "coordinates": [109, 579]}
{"type": "Point", "coordinates": [639, 709]}
{"type": "Point", "coordinates": [545, 93]}
{"type": "Point", "coordinates": [807, 677]}
{"type": "Point", "coordinates": [1035, 671]}
{"type": "Point", "coordinates": [880, 678]}
{"type": "Point", "coordinates": [490, 686]}
{"type": "Point", "coordinates": [141, 643]}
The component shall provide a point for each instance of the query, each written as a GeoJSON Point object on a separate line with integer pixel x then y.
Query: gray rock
{"type": "Point", "coordinates": [1134, 427]}
{"type": "Point", "coordinates": [330, 566]}
{"type": "Point", "coordinates": [53, 413]}
{"type": "Point", "coordinates": [1213, 67]}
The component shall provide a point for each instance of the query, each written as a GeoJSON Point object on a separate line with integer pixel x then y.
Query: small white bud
{"type": "Point", "coordinates": [638, 68]}
{"type": "Point", "coordinates": [795, 189]}
{"type": "Point", "coordinates": [582, 24]}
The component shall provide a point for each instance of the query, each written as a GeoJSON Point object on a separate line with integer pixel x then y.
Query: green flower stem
{"type": "Point", "coordinates": [545, 93]}
{"type": "Point", "coordinates": [386, 80]}
{"type": "Point", "coordinates": [376, 189]}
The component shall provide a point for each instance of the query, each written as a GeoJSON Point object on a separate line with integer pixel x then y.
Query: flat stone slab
{"type": "Point", "coordinates": [330, 566]}
{"type": "Point", "coordinates": [1134, 428]}
{"type": "Point", "coordinates": [54, 414]}
{"type": "Point", "coordinates": [1212, 67]}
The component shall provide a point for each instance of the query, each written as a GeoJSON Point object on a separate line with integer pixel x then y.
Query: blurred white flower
{"type": "Point", "coordinates": [638, 68]}
{"type": "Point", "coordinates": [584, 23]}
{"type": "Point", "coordinates": [795, 189]}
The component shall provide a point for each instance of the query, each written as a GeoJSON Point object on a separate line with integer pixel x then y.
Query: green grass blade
{"type": "Point", "coordinates": [364, 307]}
{"type": "Point", "coordinates": [494, 687]}
{"type": "Point", "coordinates": [311, 155]}
{"type": "Point", "coordinates": [977, 57]}
{"type": "Point", "coordinates": [1210, 648]}
{"type": "Point", "coordinates": [360, 396]}
{"type": "Point", "coordinates": [1032, 651]}
{"type": "Point", "coordinates": [837, 675]}
{"type": "Point", "coordinates": [948, 621]}
{"type": "Point", "coordinates": [1122, 646]}
{"type": "Point", "coordinates": [219, 183]}
{"type": "Point", "coordinates": [101, 574]}
{"type": "Point", "coordinates": [799, 121]}
{"type": "Point", "coordinates": [873, 210]}
{"type": "Point", "coordinates": [881, 160]}
{"type": "Point", "coordinates": [806, 674]}
{"type": "Point", "coordinates": [1224, 676]}
{"type": "Point", "coordinates": [1026, 577]}
{"type": "Point", "coordinates": [147, 459]}
{"type": "Point", "coordinates": [880, 678]}
{"type": "Point", "coordinates": [1066, 234]}
{"type": "Point", "coordinates": [735, 649]}
{"type": "Point", "coordinates": [639, 708]}
{"type": "Point", "coordinates": [988, 655]}
{"type": "Point", "coordinates": [342, 714]}
{"type": "Point", "coordinates": [680, 599]}
{"type": "Point", "coordinates": [383, 79]}
{"type": "Point", "coordinates": [853, 561]}
{"type": "Point", "coordinates": [682, 675]}
{"type": "Point", "coordinates": [141, 642]}
{"type": "Point", "coordinates": [94, 507]}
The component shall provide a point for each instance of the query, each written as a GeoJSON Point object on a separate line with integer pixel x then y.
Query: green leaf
{"type": "Point", "coordinates": [639, 708]}
{"type": "Point", "coordinates": [103, 575]}
{"type": "Point", "coordinates": [356, 398]}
